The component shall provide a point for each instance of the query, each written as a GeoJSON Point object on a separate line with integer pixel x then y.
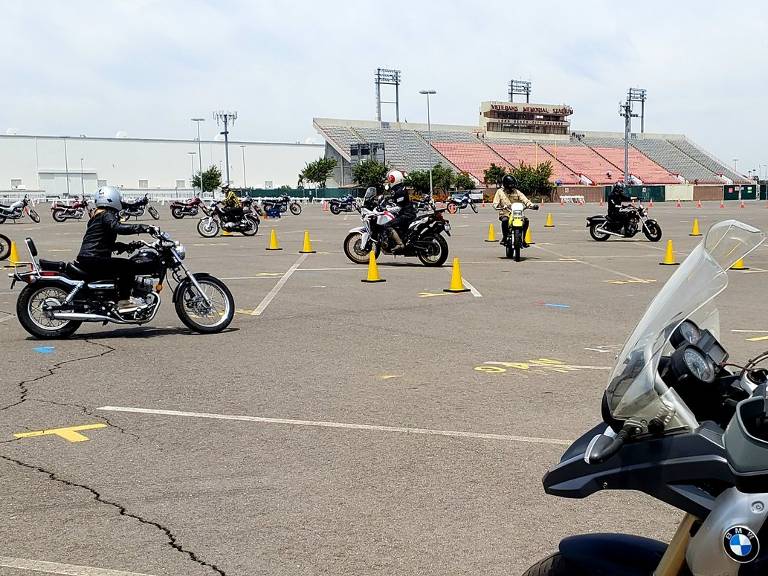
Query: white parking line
{"type": "Point", "coordinates": [57, 568]}
{"type": "Point", "coordinates": [472, 289]}
{"type": "Point", "coordinates": [280, 283]}
{"type": "Point", "coordinates": [321, 424]}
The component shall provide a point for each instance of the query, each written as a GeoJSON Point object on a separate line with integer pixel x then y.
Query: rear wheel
{"type": "Point", "coordinates": [554, 565]}
{"type": "Point", "coordinates": [518, 244]}
{"type": "Point", "coordinates": [452, 208]}
{"type": "Point", "coordinates": [153, 212]}
{"type": "Point", "coordinates": [58, 215]}
{"type": "Point", "coordinates": [34, 216]}
{"type": "Point", "coordinates": [2, 219]}
{"type": "Point", "coordinates": [436, 253]}
{"type": "Point", "coordinates": [177, 212]}
{"type": "Point", "coordinates": [5, 247]}
{"type": "Point", "coordinates": [254, 226]}
{"type": "Point", "coordinates": [33, 316]}
{"type": "Point", "coordinates": [208, 227]}
{"type": "Point", "coordinates": [474, 208]}
{"type": "Point", "coordinates": [596, 234]}
{"type": "Point", "coordinates": [200, 316]}
{"type": "Point", "coordinates": [354, 250]}
{"type": "Point", "coordinates": [652, 230]}
{"type": "Point", "coordinates": [295, 208]}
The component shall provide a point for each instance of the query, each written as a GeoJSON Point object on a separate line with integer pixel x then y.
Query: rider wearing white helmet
{"type": "Point", "coordinates": [395, 184]}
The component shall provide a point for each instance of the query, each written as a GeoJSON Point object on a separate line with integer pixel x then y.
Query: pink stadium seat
{"type": "Point", "coordinates": [584, 160]}
{"type": "Point", "coordinates": [534, 154]}
{"type": "Point", "coordinates": [474, 158]}
{"type": "Point", "coordinates": [640, 165]}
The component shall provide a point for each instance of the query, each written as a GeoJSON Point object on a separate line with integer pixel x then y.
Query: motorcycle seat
{"type": "Point", "coordinates": [75, 272]}
{"type": "Point", "coordinates": [52, 265]}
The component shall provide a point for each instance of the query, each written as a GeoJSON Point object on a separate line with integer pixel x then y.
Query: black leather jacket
{"type": "Point", "coordinates": [615, 199]}
{"type": "Point", "coordinates": [100, 238]}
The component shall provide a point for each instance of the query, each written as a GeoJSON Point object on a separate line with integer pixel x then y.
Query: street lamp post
{"type": "Point", "coordinates": [427, 93]}
{"type": "Point", "coordinates": [82, 183]}
{"type": "Point", "coordinates": [226, 118]}
{"type": "Point", "coordinates": [66, 165]}
{"type": "Point", "coordinates": [199, 152]}
{"type": "Point", "coordinates": [192, 158]}
{"type": "Point", "coordinates": [245, 182]}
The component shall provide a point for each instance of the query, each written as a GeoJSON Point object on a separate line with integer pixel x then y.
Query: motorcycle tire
{"type": "Point", "coordinates": [58, 216]}
{"type": "Point", "coordinates": [518, 244]}
{"type": "Point", "coordinates": [208, 227]}
{"type": "Point", "coordinates": [177, 213]}
{"type": "Point", "coordinates": [23, 312]}
{"type": "Point", "coordinates": [509, 250]}
{"type": "Point", "coordinates": [474, 208]}
{"type": "Point", "coordinates": [335, 209]}
{"type": "Point", "coordinates": [34, 216]}
{"type": "Point", "coordinates": [2, 219]}
{"type": "Point", "coordinates": [354, 251]}
{"type": "Point", "coordinates": [652, 231]}
{"type": "Point", "coordinates": [452, 208]}
{"type": "Point", "coordinates": [153, 212]}
{"type": "Point", "coordinates": [295, 208]}
{"type": "Point", "coordinates": [254, 228]}
{"type": "Point", "coordinates": [438, 259]}
{"type": "Point", "coordinates": [5, 247]}
{"type": "Point", "coordinates": [598, 236]}
{"type": "Point", "coordinates": [554, 565]}
{"type": "Point", "coordinates": [187, 290]}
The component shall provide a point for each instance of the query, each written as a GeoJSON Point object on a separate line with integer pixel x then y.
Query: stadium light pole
{"type": "Point", "coordinates": [428, 93]}
{"type": "Point", "coordinates": [638, 95]}
{"type": "Point", "coordinates": [225, 118]}
{"type": "Point", "coordinates": [82, 184]}
{"type": "Point", "coordinates": [735, 165]}
{"type": "Point", "coordinates": [625, 110]}
{"type": "Point", "coordinates": [66, 164]}
{"type": "Point", "coordinates": [199, 151]}
{"type": "Point", "coordinates": [242, 148]}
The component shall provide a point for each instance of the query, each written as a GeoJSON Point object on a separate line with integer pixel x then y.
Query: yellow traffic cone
{"type": "Point", "coordinates": [457, 284]}
{"type": "Point", "coordinates": [13, 259]}
{"type": "Point", "coordinates": [491, 233]}
{"type": "Point", "coordinates": [273, 245]}
{"type": "Point", "coordinates": [739, 265]}
{"type": "Point", "coordinates": [695, 230]}
{"type": "Point", "coordinates": [528, 238]}
{"type": "Point", "coordinates": [669, 255]}
{"type": "Point", "coordinates": [373, 269]}
{"type": "Point", "coordinates": [550, 222]}
{"type": "Point", "coordinates": [307, 249]}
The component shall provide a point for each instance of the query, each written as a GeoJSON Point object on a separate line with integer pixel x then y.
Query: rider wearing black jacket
{"type": "Point", "coordinates": [615, 200]}
{"type": "Point", "coordinates": [100, 241]}
{"type": "Point", "coordinates": [399, 196]}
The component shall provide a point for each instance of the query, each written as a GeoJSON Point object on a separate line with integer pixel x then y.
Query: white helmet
{"type": "Point", "coordinates": [109, 197]}
{"type": "Point", "coordinates": [394, 177]}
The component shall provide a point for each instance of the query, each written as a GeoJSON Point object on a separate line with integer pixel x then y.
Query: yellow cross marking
{"type": "Point", "coordinates": [70, 433]}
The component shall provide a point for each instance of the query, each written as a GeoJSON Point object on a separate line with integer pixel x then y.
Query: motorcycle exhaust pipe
{"type": "Point", "coordinates": [82, 317]}
{"type": "Point", "coordinates": [604, 231]}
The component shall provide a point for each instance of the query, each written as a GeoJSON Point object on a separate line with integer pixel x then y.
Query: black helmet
{"type": "Point", "coordinates": [619, 185]}
{"type": "Point", "coordinates": [508, 181]}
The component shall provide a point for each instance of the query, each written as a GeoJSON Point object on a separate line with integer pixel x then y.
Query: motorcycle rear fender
{"type": "Point", "coordinates": [595, 220]}
{"type": "Point", "coordinates": [612, 554]}
{"type": "Point", "coordinates": [197, 275]}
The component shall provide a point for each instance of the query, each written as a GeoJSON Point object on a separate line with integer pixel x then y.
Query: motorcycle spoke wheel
{"type": "Point", "coordinates": [295, 208]}
{"type": "Point", "coordinates": [202, 316]}
{"type": "Point", "coordinates": [34, 216]}
{"type": "Point", "coordinates": [5, 247]}
{"type": "Point", "coordinates": [41, 319]}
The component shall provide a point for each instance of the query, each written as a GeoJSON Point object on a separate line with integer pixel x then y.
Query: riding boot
{"type": "Point", "coordinates": [399, 246]}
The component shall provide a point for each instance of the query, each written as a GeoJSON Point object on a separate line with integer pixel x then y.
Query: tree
{"type": "Point", "coordinates": [493, 175]}
{"type": "Point", "coordinates": [318, 171]}
{"type": "Point", "coordinates": [418, 180]}
{"type": "Point", "coordinates": [533, 181]}
{"type": "Point", "coordinates": [211, 179]}
{"type": "Point", "coordinates": [369, 173]}
{"type": "Point", "coordinates": [442, 178]}
{"type": "Point", "coordinates": [464, 181]}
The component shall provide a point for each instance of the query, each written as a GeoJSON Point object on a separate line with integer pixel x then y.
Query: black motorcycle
{"type": "Point", "coordinates": [339, 205]}
{"type": "Point", "coordinates": [136, 209]}
{"type": "Point", "coordinates": [5, 247]}
{"type": "Point", "coordinates": [283, 204]}
{"type": "Point", "coordinates": [423, 238]}
{"type": "Point", "coordinates": [59, 296]}
{"type": "Point", "coordinates": [682, 425]}
{"type": "Point", "coordinates": [17, 210]}
{"type": "Point", "coordinates": [635, 218]}
{"type": "Point", "coordinates": [460, 202]}
{"type": "Point", "coordinates": [216, 219]}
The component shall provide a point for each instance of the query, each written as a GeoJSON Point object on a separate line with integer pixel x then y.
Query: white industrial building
{"type": "Point", "coordinates": [55, 164]}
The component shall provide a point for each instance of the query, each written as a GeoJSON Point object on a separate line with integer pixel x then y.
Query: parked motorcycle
{"type": "Point", "coordinates": [283, 204]}
{"type": "Point", "coordinates": [17, 210]}
{"type": "Point", "coordinates": [74, 211]}
{"type": "Point", "coordinates": [337, 206]}
{"type": "Point", "coordinates": [424, 237]}
{"type": "Point", "coordinates": [209, 226]}
{"type": "Point", "coordinates": [601, 227]}
{"type": "Point", "coordinates": [455, 203]}
{"type": "Point", "coordinates": [59, 296]}
{"type": "Point", "coordinates": [515, 240]}
{"type": "Point", "coordinates": [5, 247]}
{"type": "Point", "coordinates": [136, 209]}
{"type": "Point", "coordinates": [189, 207]}
{"type": "Point", "coordinates": [682, 425]}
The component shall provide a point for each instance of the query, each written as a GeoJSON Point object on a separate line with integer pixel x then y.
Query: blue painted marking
{"type": "Point", "coordinates": [45, 349]}
{"type": "Point", "coordinates": [557, 305]}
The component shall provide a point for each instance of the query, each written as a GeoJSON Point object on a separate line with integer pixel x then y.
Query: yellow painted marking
{"type": "Point", "coordinates": [390, 376]}
{"type": "Point", "coordinates": [243, 311]}
{"type": "Point", "coordinates": [757, 339]}
{"type": "Point", "coordinates": [637, 281]}
{"type": "Point", "coordinates": [539, 366]}
{"type": "Point", "coordinates": [70, 433]}
{"type": "Point", "coordinates": [432, 294]}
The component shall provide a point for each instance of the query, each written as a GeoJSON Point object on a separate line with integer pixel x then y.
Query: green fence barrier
{"type": "Point", "coordinates": [763, 191]}
{"type": "Point", "coordinates": [642, 193]}
{"type": "Point", "coordinates": [321, 194]}
{"type": "Point", "coordinates": [747, 191]}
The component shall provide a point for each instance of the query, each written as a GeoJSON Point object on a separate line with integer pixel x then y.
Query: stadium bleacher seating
{"type": "Point", "coordinates": [665, 154]}
{"type": "Point", "coordinates": [535, 154]}
{"type": "Point", "coordinates": [706, 160]}
{"type": "Point", "coordinates": [583, 160]}
{"type": "Point", "coordinates": [470, 157]}
{"type": "Point", "coordinates": [640, 165]}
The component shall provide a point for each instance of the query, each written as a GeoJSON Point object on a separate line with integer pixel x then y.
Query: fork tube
{"type": "Point", "coordinates": [192, 278]}
{"type": "Point", "coordinates": [674, 558]}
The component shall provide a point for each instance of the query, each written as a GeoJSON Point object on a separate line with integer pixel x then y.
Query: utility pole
{"type": "Point", "coordinates": [192, 158]}
{"type": "Point", "coordinates": [82, 183]}
{"type": "Point", "coordinates": [242, 148]}
{"type": "Point", "coordinates": [225, 118]}
{"type": "Point", "coordinates": [427, 93]}
{"type": "Point", "coordinates": [199, 152]}
{"type": "Point", "coordinates": [625, 110]}
{"type": "Point", "coordinates": [66, 164]}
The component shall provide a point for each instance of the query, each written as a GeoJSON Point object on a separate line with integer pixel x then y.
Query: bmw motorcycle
{"type": "Point", "coordinates": [59, 296]}
{"type": "Point", "coordinates": [189, 207]}
{"type": "Point", "coordinates": [136, 209]}
{"type": "Point", "coordinates": [515, 240]}
{"type": "Point", "coordinates": [337, 206]}
{"type": "Point", "coordinates": [457, 203]}
{"type": "Point", "coordinates": [636, 218]}
{"type": "Point", "coordinates": [17, 210]}
{"type": "Point", "coordinates": [423, 238]}
{"type": "Point", "coordinates": [74, 211]}
{"type": "Point", "coordinates": [215, 220]}
{"type": "Point", "coordinates": [681, 425]}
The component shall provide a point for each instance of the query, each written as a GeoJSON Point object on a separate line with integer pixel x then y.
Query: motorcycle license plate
{"type": "Point", "coordinates": [517, 222]}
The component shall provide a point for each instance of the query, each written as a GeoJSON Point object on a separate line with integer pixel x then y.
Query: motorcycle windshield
{"type": "Point", "coordinates": [634, 389]}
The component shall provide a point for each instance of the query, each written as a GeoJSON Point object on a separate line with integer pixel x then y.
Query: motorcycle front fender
{"type": "Point", "coordinates": [612, 554]}
{"type": "Point", "coordinates": [359, 230]}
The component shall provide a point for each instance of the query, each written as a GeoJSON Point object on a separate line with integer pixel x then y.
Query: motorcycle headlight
{"type": "Point", "coordinates": [517, 214]}
{"type": "Point", "coordinates": [181, 251]}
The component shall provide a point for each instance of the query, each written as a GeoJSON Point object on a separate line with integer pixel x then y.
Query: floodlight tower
{"type": "Point", "coordinates": [520, 87]}
{"type": "Point", "coordinates": [625, 110]}
{"type": "Point", "coordinates": [638, 95]}
{"type": "Point", "coordinates": [225, 118]}
{"type": "Point", "coordinates": [388, 77]}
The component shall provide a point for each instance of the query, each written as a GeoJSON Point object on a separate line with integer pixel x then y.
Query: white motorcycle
{"type": "Point", "coordinates": [17, 210]}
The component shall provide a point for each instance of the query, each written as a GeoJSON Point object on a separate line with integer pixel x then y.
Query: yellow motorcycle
{"type": "Point", "coordinates": [514, 242]}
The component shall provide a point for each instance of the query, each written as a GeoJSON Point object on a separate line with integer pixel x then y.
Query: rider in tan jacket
{"type": "Point", "coordinates": [503, 200]}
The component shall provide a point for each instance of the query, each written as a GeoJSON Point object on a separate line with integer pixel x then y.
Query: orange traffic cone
{"type": "Point", "coordinates": [373, 269]}
{"type": "Point", "coordinates": [722, 204]}
{"type": "Point", "coordinates": [741, 204]}
{"type": "Point", "coordinates": [669, 255]}
{"type": "Point", "coordinates": [650, 204]}
{"type": "Point", "coordinates": [457, 284]}
{"type": "Point", "coordinates": [678, 204]}
{"type": "Point", "coordinates": [698, 204]}
{"type": "Point", "coordinates": [273, 244]}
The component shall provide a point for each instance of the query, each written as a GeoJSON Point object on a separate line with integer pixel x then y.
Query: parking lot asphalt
{"type": "Point", "coordinates": [338, 427]}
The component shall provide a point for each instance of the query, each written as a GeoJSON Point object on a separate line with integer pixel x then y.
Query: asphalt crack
{"type": "Point", "coordinates": [173, 541]}
{"type": "Point", "coordinates": [88, 412]}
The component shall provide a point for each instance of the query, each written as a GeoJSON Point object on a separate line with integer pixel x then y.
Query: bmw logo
{"type": "Point", "coordinates": [741, 544]}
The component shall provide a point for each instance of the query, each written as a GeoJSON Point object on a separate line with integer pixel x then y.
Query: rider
{"type": "Point", "coordinates": [503, 200]}
{"type": "Point", "coordinates": [99, 242]}
{"type": "Point", "coordinates": [398, 195]}
{"type": "Point", "coordinates": [232, 207]}
{"type": "Point", "coordinates": [615, 200]}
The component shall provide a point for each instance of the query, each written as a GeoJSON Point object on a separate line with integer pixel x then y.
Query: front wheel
{"type": "Point", "coordinates": [153, 212]}
{"type": "Point", "coordinates": [34, 216]}
{"type": "Point", "coordinates": [253, 226]}
{"type": "Point", "coordinates": [436, 253]}
{"type": "Point", "coordinates": [208, 227]}
{"type": "Point", "coordinates": [295, 208]}
{"type": "Point", "coordinates": [652, 230]}
{"type": "Point", "coordinates": [554, 565]}
{"type": "Point", "coordinates": [518, 244]}
{"type": "Point", "coordinates": [354, 249]}
{"type": "Point", "coordinates": [31, 309]}
{"type": "Point", "coordinates": [58, 215]}
{"type": "Point", "coordinates": [177, 212]}
{"type": "Point", "coordinates": [474, 208]}
{"type": "Point", "coordinates": [596, 234]}
{"type": "Point", "coordinates": [201, 316]}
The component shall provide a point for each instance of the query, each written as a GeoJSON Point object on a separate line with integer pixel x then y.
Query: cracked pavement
{"type": "Point", "coordinates": [168, 495]}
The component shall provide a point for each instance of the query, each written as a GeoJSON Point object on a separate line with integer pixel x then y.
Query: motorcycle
{"type": "Point", "coordinates": [188, 207]}
{"type": "Point", "coordinates": [5, 247]}
{"type": "Point", "coordinates": [457, 203]}
{"type": "Point", "coordinates": [681, 425]}
{"type": "Point", "coordinates": [214, 220]}
{"type": "Point", "coordinates": [17, 210]}
{"type": "Point", "coordinates": [337, 206]}
{"type": "Point", "coordinates": [515, 240]}
{"type": "Point", "coordinates": [283, 204]}
{"type": "Point", "coordinates": [74, 211]}
{"type": "Point", "coordinates": [601, 227]}
{"type": "Point", "coordinates": [423, 238]}
{"type": "Point", "coordinates": [60, 296]}
{"type": "Point", "coordinates": [136, 209]}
